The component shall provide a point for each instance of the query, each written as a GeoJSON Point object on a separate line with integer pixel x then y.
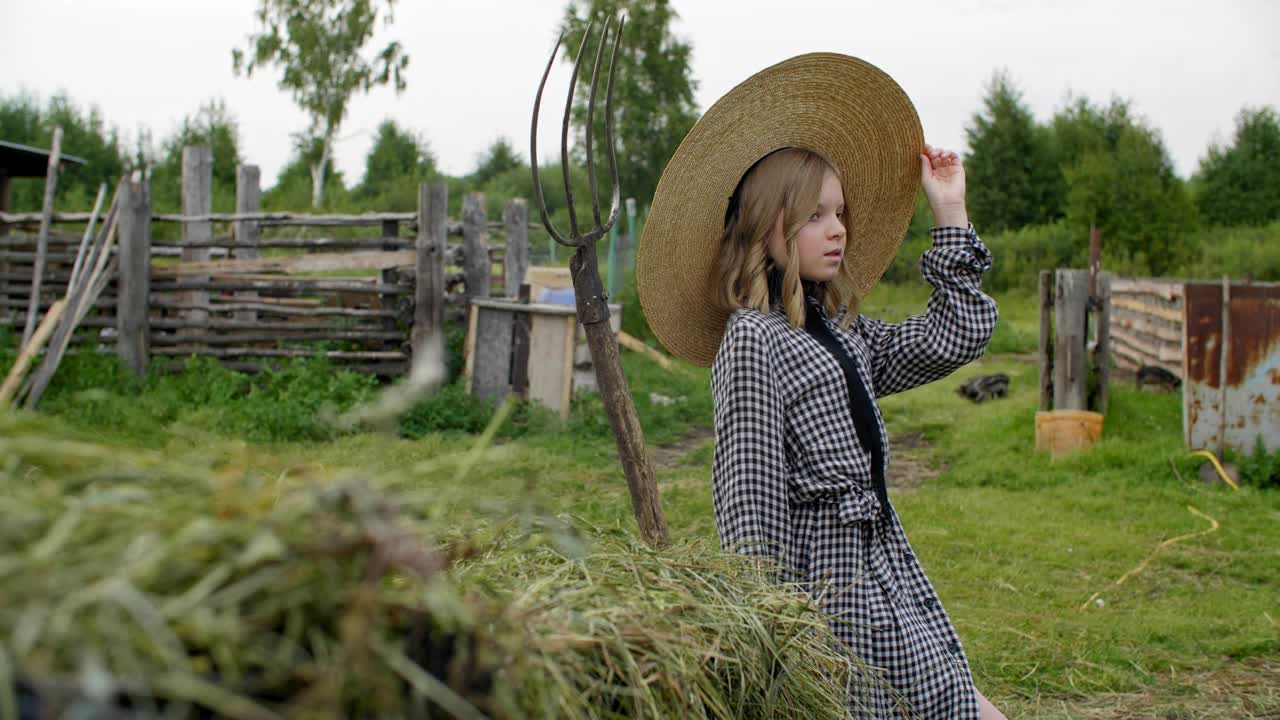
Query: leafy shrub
{"type": "Point", "coordinates": [1260, 468]}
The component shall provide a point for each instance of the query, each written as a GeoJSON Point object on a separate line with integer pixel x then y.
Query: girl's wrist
{"type": "Point", "coordinates": [951, 215]}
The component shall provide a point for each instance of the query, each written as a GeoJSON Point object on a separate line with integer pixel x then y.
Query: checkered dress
{"type": "Point", "coordinates": [792, 483]}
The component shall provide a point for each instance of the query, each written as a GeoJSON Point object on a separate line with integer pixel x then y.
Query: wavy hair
{"type": "Point", "coordinates": [786, 183]}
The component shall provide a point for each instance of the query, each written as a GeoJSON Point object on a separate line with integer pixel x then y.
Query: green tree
{"type": "Point", "coordinates": [1239, 184]}
{"type": "Point", "coordinates": [318, 46]}
{"type": "Point", "coordinates": [500, 157]}
{"type": "Point", "coordinates": [85, 134]}
{"type": "Point", "coordinates": [397, 162]}
{"type": "Point", "coordinates": [1013, 179]}
{"type": "Point", "coordinates": [652, 95]}
{"type": "Point", "coordinates": [212, 125]}
{"type": "Point", "coordinates": [1120, 177]}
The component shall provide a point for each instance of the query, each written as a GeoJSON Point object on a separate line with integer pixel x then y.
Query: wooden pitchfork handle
{"type": "Point", "coordinates": [592, 304]}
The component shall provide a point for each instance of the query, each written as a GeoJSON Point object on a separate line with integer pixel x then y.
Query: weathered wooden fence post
{"type": "Point", "coordinates": [430, 243]}
{"type": "Point", "coordinates": [1046, 360]}
{"type": "Point", "coordinates": [1102, 351]}
{"type": "Point", "coordinates": [133, 343]}
{"type": "Point", "coordinates": [1070, 367]}
{"type": "Point", "coordinates": [476, 264]}
{"type": "Point", "coordinates": [248, 200]}
{"type": "Point", "coordinates": [515, 221]}
{"type": "Point", "coordinates": [197, 199]}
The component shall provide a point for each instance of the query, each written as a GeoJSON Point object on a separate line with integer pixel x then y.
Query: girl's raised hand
{"type": "Point", "coordinates": [942, 175]}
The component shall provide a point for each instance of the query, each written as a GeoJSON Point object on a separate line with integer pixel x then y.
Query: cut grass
{"type": "Point", "coordinates": [1014, 542]}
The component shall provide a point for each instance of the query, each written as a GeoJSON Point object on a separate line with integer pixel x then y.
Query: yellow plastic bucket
{"type": "Point", "coordinates": [1064, 431]}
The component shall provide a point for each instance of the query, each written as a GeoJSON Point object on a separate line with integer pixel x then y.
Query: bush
{"type": "Point", "coordinates": [1260, 468]}
{"type": "Point", "coordinates": [1241, 252]}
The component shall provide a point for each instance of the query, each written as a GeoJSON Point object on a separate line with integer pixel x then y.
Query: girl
{"type": "Point", "coordinates": [818, 197]}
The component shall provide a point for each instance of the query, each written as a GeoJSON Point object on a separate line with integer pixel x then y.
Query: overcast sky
{"type": "Point", "coordinates": [1188, 67]}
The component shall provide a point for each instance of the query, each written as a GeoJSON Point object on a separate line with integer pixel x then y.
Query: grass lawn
{"type": "Point", "coordinates": [1016, 544]}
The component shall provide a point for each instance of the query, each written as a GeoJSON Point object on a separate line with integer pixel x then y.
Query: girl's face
{"type": "Point", "coordinates": [820, 242]}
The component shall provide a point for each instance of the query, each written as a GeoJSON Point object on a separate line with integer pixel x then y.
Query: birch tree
{"type": "Point", "coordinates": [319, 48]}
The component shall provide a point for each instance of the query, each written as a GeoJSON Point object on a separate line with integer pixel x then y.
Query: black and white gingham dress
{"type": "Point", "coordinates": [792, 482]}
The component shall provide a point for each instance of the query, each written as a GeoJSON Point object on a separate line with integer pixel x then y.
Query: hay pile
{"type": "Point", "coordinates": [138, 585]}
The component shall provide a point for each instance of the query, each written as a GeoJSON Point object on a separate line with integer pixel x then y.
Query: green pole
{"type": "Point", "coordinates": [552, 242]}
{"type": "Point", "coordinates": [632, 246]}
{"type": "Point", "coordinates": [613, 259]}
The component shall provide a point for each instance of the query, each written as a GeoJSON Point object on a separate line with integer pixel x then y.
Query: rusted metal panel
{"type": "Point", "coordinates": [1231, 388]}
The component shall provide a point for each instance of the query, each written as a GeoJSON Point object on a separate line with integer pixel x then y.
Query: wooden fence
{"type": "Point", "coordinates": [254, 294]}
{"type": "Point", "coordinates": [1146, 323]}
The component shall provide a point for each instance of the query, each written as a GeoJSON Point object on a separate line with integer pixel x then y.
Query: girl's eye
{"type": "Point", "coordinates": [814, 217]}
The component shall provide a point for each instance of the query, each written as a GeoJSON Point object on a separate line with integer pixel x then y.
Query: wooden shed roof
{"type": "Point", "coordinates": [18, 160]}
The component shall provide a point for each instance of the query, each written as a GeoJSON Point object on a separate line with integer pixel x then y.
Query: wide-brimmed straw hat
{"type": "Point", "coordinates": [846, 110]}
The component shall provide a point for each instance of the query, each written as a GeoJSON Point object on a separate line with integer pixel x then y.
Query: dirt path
{"type": "Point", "coordinates": [670, 456]}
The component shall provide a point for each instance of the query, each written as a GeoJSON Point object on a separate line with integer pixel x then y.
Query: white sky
{"type": "Point", "coordinates": [474, 65]}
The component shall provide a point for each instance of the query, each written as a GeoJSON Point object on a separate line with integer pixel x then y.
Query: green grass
{"type": "Point", "coordinates": [1015, 543]}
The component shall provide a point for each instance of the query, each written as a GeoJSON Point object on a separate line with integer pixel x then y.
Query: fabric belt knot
{"type": "Point", "coordinates": [861, 409]}
{"type": "Point", "coordinates": [856, 506]}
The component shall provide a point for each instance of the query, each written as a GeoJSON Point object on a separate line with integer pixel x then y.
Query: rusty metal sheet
{"type": "Point", "coordinates": [1231, 388]}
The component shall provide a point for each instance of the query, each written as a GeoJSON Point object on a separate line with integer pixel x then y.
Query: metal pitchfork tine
{"type": "Point", "coordinates": [592, 305]}
{"type": "Point", "coordinates": [575, 240]}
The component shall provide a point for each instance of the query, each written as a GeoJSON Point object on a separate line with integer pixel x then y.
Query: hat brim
{"type": "Point", "coordinates": [841, 107]}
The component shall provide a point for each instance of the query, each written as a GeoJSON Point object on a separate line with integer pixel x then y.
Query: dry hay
{"type": "Point", "coordinates": [133, 584]}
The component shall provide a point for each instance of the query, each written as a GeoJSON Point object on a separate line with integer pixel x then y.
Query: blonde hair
{"type": "Point", "coordinates": [787, 181]}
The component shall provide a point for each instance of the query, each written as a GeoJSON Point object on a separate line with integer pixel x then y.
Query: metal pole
{"type": "Point", "coordinates": [613, 259]}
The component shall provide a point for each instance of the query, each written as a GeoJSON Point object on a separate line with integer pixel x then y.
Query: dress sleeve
{"type": "Point", "coordinates": [749, 476]}
{"type": "Point", "coordinates": [955, 327]}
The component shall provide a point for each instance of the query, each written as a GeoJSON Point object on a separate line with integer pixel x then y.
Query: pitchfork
{"type": "Point", "coordinates": [592, 304]}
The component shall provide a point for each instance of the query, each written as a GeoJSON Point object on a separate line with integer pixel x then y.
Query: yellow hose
{"type": "Point", "coordinates": [1218, 466]}
{"type": "Point", "coordinates": [1213, 527]}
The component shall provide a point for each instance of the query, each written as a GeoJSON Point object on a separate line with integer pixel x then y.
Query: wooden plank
{"type": "Point", "coordinates": [1147, 325]}
{"type": "Point", "coordinates": [566, 380]}
{"type": "Point", "coordinates": [273, 306]}
{"type": "Point", "coordinates": [636, 345]}
{"type": "Point", "coordinates": [475, 240]}
{"type": "Point", "coordinates": [276, 285]}
{"type": "Point", "coordinates": [22, 363]}
{"type": "Point", "coordinates": [1168, 290]}
{"type": "Point", "coordinates": [1132, 359]}
{"type": "Point", "coordinates": [294, 264]}
{"type": "Point", "coordinates": [387, 369]}
{"type": "Point", "coordinates": [133, 343]}
{"type": "Point", "coordinates": [469, 348]}
{"type": "Point", "coordinates": [1102, 355]}
{"type": "Point", "coordinates": [515, 221]}
{"type": "Point", "coordinates": [42, 241]}
{"type": "Point", "coordinates": [1046, 359]}
{"type": "Point", "coordinates": [160, 323]}
{"type": "Point", "coordinates": [1171, 314]}
{"type": "Point", "coordinates": [277, 352]}
{"type": "Point", "coordinates": [429, 281]}
{"type": "Point", "coordinates": [332, 220]}
{"type": "Point", "coordinates": [234, 338]}
{"type": "Point", "coordinates": [1070, 376]}
{"type": "Point", "coordinates": [197, 200]}
{"type": "Point", "coordinates": [296, 243]}
{"type": "Point", "coordinates": [1147, 350]}
{"type": "Point", "coordinates": [87, 239]}
{"type": "Point", "coordinates": [548, 361]}
{"type": "Point", "coordinates": [491, 354]}
{"type": "Point", "coordinates": [520, 347]}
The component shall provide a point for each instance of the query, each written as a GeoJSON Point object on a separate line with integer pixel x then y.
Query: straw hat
{"type": "Point", "coordinates": [843, 108]}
